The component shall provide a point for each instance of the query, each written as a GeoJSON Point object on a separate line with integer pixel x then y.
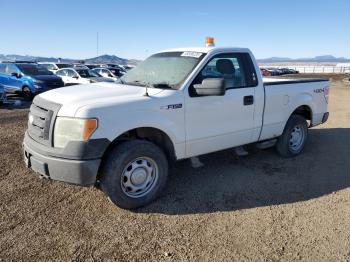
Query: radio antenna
{"type": "Point", "coordinates": [146, 93]}
{"type": "Point", "coordinates": [147, 84]}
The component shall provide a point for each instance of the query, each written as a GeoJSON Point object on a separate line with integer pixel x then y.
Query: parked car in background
{"type": "Point", "coordinates": [292, 71]}
{"type": "Point", "coordinates": [2, 94]}
{"type": "Point", "coordinates": [80, 66]}
{"type": "Point", "coordinates": [107, 72]}
{"type": "Point", "coordinates": [76, 76]}
{"type": "Point", "coordinates": [114, 66]}
{"type": "Point", "coordinates": [27, 79]}
{"type": "Point", "coordinates": [53, 67]}
{"type": "Point", "coordinates": [127, 67]}
{"type": "Point", "coordinates": [288, 71]}
{"type": "Point", "coordinates": [265, 72]}
{"type": "Point", "coordinates": [92, 66]}
{"type": "Point", "coordinates": [274, 71]}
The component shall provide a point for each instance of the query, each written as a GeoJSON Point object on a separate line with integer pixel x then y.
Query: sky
{"type": "Point", "coordinates": [136, 29]}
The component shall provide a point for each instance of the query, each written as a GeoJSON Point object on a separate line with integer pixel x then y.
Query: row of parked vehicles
{"type": "Point", "coordinates": [29, 78]}
{"type": "Point", "coordinates": [271, 71]}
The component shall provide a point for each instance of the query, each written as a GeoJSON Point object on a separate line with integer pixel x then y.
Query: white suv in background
{"type": "Point", "coordinates": [105, 73]}
{"type": "Point", "coordinates": [53, 67]}
{"type": "Point", "coordinates": [76, 76]}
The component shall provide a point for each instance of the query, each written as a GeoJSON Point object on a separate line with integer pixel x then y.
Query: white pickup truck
{"type": "Point", "coordinates": [177, 104]}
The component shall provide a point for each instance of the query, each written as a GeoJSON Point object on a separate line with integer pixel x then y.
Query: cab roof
{"type": "Point", "coordinates": [207, 49]}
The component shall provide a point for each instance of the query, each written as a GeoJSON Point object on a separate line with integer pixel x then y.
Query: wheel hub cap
{"type": "Point", "coordinates": [296, 138]}
{"type": "Point", "coordinates": [139, 177]}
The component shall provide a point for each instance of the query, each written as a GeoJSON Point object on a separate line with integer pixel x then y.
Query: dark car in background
{"type": "Point", "coordinates": [2, 94]}
{"type": "Point", "coordinates": [265, 72]}
{"type": "Point", "coordinates": [92, 66]}
{"type": "Point", "coordinates": [27, 79]}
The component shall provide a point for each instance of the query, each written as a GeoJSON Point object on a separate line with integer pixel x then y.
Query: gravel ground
{"type": "Point", "coordinates": [260, 207]}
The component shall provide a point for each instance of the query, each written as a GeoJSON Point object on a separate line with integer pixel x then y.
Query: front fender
{"type": "Point", "coordinates": [170, 122]}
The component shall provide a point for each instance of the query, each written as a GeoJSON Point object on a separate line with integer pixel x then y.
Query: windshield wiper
{"type": "Point", "coordinates": [162, 86]}
{"type": "Point", "coordinates": [120, 81]}
{"type": "Point", "coordinates": [136, 83]}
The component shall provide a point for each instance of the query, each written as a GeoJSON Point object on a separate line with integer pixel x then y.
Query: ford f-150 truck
{"type": "Point", "coordinates": [176, 104]}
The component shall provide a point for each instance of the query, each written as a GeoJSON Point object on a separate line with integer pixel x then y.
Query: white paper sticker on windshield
{"type": "Point", "coordinates": [191, 54]}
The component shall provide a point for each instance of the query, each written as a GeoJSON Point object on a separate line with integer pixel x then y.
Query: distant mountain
{"type": "Point", "coordinates": [113, 59]}
{"type": "Point", "coordinates": [317, 59]}
{"type": "Point", "coordinates": [107, 59]}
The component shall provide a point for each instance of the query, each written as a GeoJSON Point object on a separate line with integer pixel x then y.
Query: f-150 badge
{"type": "Point", "coordinates": [174, 106]}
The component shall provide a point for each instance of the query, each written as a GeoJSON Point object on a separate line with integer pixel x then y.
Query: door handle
{"type": "Point", "coordinates": [248, 100]}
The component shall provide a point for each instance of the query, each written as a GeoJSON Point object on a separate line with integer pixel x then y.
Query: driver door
{"type": "Point", "coordinates": [215, 123]}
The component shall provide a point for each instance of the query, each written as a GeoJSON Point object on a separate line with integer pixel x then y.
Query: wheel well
{"type": "Point", "coordinates": [304, 111]}
{"type": "Point", "coordinates": [151, 134]}
{"type": "Point", "coordinates": [25, 86]}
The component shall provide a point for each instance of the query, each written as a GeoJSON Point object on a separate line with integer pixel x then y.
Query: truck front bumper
{"type": "Point", "coordinates": [79, 172]}
{"type": "Point", "coordinates": [77, 164]}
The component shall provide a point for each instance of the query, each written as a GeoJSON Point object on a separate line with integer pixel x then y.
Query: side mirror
{"type": "Point", "coordinates": [211, 87]}
{"type": "Point", "coordinates": [75, 77]}
{"type": "Point", "coordinates": [17, 75]}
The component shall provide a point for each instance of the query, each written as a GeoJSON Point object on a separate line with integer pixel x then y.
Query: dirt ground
{"type": "Point", "coordinates": [256, 208]}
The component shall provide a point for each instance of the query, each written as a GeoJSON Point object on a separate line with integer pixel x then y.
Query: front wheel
{"type": "Point", "coordinates": [134, 174]}
{"type": "Point", "coordinates": [293, 138]}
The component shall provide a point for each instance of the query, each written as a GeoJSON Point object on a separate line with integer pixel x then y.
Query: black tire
{"type": "Point", "coordinates": [27, 94]}
{"type": "Point", "coordinates": [285, 144]}
{"type": "Point", "coordinates": [117, 163]}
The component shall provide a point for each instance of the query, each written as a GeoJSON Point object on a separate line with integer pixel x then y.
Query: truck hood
{"type": "Point", "coordinates": [74, 97]}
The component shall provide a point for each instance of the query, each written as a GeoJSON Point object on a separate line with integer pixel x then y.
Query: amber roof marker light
{"type": "Point", "coordinates": [209, 41]}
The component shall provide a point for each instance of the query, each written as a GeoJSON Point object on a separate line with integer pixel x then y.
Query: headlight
{"type": "Point", "coordinates": [72, 129]}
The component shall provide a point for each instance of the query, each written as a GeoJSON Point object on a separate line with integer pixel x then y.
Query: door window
{"type": "Point", "coordinates": [236, 69]}
{"type": "Point", "coordinates": [61, 72]}
{"type": "Point", "coordinates": [71, 73]}
{"type": "Point", "coordinates": [2, 69]}
{"type": "Point", "coordinates": [10, 69]}
{"type": "Point", "coordinates": [49, 66]}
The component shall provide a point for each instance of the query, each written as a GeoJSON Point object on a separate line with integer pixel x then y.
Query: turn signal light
{"type": "Point", "coordinates": [90, 126]}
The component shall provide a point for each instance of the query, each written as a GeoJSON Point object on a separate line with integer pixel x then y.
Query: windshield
{"type": "Point", "coordinates": [87, 73]}
{"type": "Point", "coordinates": [33, 69]}
{"type": "Point", "coordinates": [64, 65]}
{"type": "Point", "coordinates": [163, 70]}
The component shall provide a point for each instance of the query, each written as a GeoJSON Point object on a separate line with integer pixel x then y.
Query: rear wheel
{"type": "Point", "coordinates": [293, 139]}
{"type": "Point", "coordinates": [134, 174]}
{"type": "Point", "coordinates": [27, 94]}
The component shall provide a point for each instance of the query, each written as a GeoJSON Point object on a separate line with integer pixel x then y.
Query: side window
{"type": "Point", "coordinates": [2, 69]}
{"type": "Point", "coordinates": [49, 66]}
{"type": "Point", "coordinates": [70, 73]}
{"type": "Point", "coordinates": [10, 69]}
{"type": "Point", "coordinates": [61, 73]}
{"type": "Point", "coordinates": [236, 69]}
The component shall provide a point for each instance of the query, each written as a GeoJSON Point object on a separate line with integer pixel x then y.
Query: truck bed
{"type": "Point", "coordinates": [283, 98]}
